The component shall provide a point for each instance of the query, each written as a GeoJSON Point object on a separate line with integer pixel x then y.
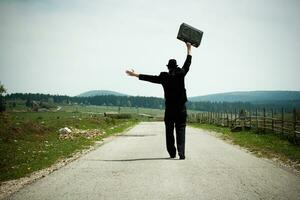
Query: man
{"type": "Point", "coordinates": [175, 98]}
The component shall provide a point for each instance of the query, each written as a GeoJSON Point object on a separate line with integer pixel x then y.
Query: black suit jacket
{"type": "Point", "coordinates": [173, 84]}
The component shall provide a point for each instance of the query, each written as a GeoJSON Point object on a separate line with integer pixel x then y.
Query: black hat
{"type": "Point", "coordinates": [172, 63]}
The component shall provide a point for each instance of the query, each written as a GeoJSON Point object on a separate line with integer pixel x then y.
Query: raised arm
{"type": "Point", "coordinates": [189, 48]}
{"type": "Point", "coordinates": [188, 60]}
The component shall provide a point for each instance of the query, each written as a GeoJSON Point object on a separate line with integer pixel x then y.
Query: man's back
{"type": "Point", "coordinates": [174, 87]}
{"type": "Point", "coordinates": [173, 83]}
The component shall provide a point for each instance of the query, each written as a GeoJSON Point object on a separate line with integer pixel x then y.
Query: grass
{"type": "Point", "coordinates": [29, 141]}
{"type": "Point", "coordinates": [102, 109]}
{"type": "Point", "coordinates": [265, 145]}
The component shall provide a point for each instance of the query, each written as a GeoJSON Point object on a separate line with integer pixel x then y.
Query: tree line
{"type": "Point", "coordinates": [147, 102]}
{"type": "Point", "coordinates": [105, 100]}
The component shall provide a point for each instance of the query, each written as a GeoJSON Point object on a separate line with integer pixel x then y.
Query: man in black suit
{"type": "Point", "coordinates": [175, 98]}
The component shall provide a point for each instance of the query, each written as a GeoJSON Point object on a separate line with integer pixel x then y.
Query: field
{"type": "Point", "coordinates": [31, 141]}
{"type": "Point", "coordinates": [102, 109]}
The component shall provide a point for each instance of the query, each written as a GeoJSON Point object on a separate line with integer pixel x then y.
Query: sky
{"type": "Point", "coordinates": [69, 47]}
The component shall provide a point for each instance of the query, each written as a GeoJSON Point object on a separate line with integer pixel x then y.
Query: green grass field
{"type": "Point", "coordinates": [265, 145]}
{"type": "Point", "coordinates": [29, 141]}
{"type": "Point", "coordinates": [102, 109]}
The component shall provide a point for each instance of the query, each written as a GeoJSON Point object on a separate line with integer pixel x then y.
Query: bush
{"type": "Point", "coordinates": [2, 104]}
{"type": "Point", "coordinates": [123, 116]}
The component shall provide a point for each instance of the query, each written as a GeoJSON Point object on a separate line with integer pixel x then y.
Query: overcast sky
{"type": "Point", "coordinates": [69, 47]}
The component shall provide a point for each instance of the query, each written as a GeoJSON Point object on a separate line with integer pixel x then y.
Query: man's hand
{"type": "Point", "coordinates": [189, 48]}
{"type": "Point", "coordinates": [132, 73]}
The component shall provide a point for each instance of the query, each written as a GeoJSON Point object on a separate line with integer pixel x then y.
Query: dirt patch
{"type": "Point", "coordinates": [75, 132]}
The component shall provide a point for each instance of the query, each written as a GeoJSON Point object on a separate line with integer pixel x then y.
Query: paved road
{"type": "Point", "coordinates": [136, 166]}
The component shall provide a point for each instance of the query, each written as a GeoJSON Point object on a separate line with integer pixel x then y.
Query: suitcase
{"type": "Point", "coordinates": [189, 34]}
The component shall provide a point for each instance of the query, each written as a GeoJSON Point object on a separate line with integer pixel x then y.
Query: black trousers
{"type": "Point", "coordinates": [175, 116]}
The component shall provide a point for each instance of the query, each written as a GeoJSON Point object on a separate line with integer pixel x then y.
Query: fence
{"type": "Point", "coordinates": [285, 124]}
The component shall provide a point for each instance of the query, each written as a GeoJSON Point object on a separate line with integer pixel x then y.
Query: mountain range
{"type": "Point", "coordinates": [250, 96]}
{"type": "Point", "coordinates": [93, 93]}
{"type": "Point", "coordinates": [242, 96]}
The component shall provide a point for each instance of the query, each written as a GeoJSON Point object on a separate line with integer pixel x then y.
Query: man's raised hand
{"type": "Point", "coordinates": [131, 73]}
{"type": "Point", "coordinates": [189, 48]}
{"type": "Point", "coordinates": [188, 45]}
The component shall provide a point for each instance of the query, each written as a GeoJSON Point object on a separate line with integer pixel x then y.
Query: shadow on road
{"type": "Point", "coordinates": [136, 135]}
{"type": "Point", "coordinates": [130, 160]}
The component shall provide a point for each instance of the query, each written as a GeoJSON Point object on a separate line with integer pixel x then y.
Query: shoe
{"type": "Point", "coordinates": [173, 156]}
{"type": "Point", "coordinates": [181, 157]}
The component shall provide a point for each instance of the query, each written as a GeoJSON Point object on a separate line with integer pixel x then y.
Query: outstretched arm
{"type": "Point", "coordinates": [132, 73]}
{"type": "Point", "coordinates": [188, 60]}
{"type": "Point", "coordinates": [144, 77]}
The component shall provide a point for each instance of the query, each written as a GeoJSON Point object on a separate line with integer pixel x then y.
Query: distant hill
{"type": "Point", "coordinates": [93, 93]}
{"type": "Point", "coordinates": [252, 96]}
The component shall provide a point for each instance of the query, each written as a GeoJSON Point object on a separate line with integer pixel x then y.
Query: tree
{"type": "Point", "coordinates": [2, 101]}
{"type": "Point", "coordinates": [50, 100]}
{"type": "Point", "coordinates": [129, 103]}
{"type": "Point", "coordinates": [28, 103]}
{"type": "Point", "coordinates": [2, 89]}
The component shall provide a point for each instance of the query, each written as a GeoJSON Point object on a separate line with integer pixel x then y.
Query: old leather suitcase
{"type": "Point", "coordinates": [189, 34]}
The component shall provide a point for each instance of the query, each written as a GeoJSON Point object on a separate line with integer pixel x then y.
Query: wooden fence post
{"type": "Point", "coordinates": [264, 113]}
{"type": "Point", "coordinates": [207, 114]}
{"type": "Point", "coordinates": [227, 120]}
{"type": "Point", "coordinates": [231, 117]}
{"type": "Point", "coordinates": [200, 117]}
{"type": "Point", "coordinates": [214, 117]}
{"type": "Point", "coordinates": [234, 117]}
{"type": "Point", "coordinates": [294, 124]}
{"type": "Point", "coordinates": [250, 117]}
{"type": "Point", "coordinates": [272, 113]}
{"type": "Point", "coordinates": [256, 119]}
{"type": "Point", "coordinates": [207, 117]}
{"type": "Point", "coordinates": [282, 121]}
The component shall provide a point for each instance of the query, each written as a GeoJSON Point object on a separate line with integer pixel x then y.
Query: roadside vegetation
{"type": "Point", "coordinates": [267, 145]}
{"type": "Point", "coordinates": [31, 141]}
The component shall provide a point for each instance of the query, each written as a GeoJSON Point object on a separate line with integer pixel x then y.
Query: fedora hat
{"type": "Point", "coordinates": [172, 63]}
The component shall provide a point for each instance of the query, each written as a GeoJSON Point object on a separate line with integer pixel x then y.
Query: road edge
{"type": "Point", "coordinates": [283, 165]}
{"type": "Point", "coordinates": [10, 187]}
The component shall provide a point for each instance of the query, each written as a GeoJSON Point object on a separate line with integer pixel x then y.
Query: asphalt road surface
{"type": "Point", "coordinates": [136, 166]}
